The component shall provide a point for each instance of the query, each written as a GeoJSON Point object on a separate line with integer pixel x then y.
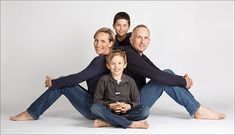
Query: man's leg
{"type": "Point", "coordinates": [183, 97]}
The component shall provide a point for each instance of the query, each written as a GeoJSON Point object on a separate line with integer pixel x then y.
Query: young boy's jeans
{"type": "Point", "coordinates": [136, 113]}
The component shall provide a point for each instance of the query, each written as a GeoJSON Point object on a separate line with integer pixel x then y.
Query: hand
{"type": "Point", "coordinates": [189, 81]}
{"type": "Point", "coordinates": [48, 82]}
{"type": "Point", "coordinates": [124, 107]}
{"type": "Point", "coordinates": [120, 107]}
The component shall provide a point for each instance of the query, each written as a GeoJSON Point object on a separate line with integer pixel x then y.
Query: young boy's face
{"type": "Point", "coordinates": [121, 27]}
{"type": "Point", "coordinates": [116, 65]}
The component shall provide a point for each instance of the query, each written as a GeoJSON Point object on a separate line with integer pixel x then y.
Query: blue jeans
{"type": "Point", "coordinates": [150, 93]}
{"type": "Point", "coordinates": [77, 95]}
{"type": "Point", "coordinates": [136, 113]}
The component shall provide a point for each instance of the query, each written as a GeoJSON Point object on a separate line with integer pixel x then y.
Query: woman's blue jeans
{"type": "Point", "coordinates": [136, 113]}
{"type": "Point", "coordinates": [150, 93]}
{"type": "Point", "coordinates": [77, 95]}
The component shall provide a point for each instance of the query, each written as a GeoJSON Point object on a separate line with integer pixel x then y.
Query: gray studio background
{"type": "Point", "coordinates": [55, 38]}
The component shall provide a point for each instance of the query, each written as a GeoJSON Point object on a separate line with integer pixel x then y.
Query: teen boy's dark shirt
{"type": "Point", "coordinates": [122, 44]}
{"type": "Point", "coordinates": [91, 74]}
{"type": "Point", "coordinates": [139, 67]}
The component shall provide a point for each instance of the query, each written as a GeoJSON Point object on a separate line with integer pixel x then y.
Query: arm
{"type": "Point", "coordinates": [99, 92]}
{"type": "Point", "coordinates": [143, 66]}
{"type": "Point", "coordinates": [135, 96]}
{"type": "Point", "coordinates": [95, 68]}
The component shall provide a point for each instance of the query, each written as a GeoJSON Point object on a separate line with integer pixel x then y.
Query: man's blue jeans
{"type": "Point", "coordinates": [136, 113]}
{"type": "Point", "coordinates": [77, 95]}
{"type": "Point", "coordinates": [150, 93]}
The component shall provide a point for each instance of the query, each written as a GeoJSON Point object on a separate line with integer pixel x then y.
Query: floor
{"type": "Point", "coordinates": [165, 118]}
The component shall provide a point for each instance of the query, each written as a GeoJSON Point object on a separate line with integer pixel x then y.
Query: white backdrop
{"type": "Point", "coordinates": [56, 38]}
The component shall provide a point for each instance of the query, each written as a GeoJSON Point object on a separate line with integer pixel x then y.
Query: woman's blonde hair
{"type": "Point", "coordinates": [107, 31]}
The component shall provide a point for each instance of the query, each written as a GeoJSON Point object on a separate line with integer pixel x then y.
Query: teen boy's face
{"type": "Point", "coordinates": [102, 44]}
{"type": "Point", "coordinates": [116, 65]}
{"type": "Point", "coordinates": [140, 39]}
{"type": "Point", "coordinates": [121, 27]}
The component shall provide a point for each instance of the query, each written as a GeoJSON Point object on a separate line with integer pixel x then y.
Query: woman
{"type": "Point", "coordinates": [80, 98]}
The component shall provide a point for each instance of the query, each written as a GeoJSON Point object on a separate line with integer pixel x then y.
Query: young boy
{"type": "Point", "coordinates": [121, 25]}
{"type": "Point", "coordinates": [117, 99]}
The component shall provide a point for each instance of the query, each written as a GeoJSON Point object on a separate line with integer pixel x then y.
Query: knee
{"type": "Point", "coordinates": [145, 112]}
{"type": "Point", "coordinates": [96, 108]}
{"type": "Point", "coordinates": [168, 71]}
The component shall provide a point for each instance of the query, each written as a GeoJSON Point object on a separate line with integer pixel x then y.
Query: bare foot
{"type": "Point", "coordinates": [24, 116]}
{"type": "Point", "coordinates": [101, 123]}
{"type": "Point", "coordinates": [207, 113]}
{"type": "Point", "coordinates": [139, 124]}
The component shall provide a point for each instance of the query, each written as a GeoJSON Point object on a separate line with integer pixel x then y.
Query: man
{"type": "Point", "coordinates": [140, 67]}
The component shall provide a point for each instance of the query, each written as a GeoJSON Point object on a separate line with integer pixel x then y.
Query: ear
{"type": "Point", "coordinates": [131, 39]}
{"type": "Point", "coordinates": [110, 44]}
{"type": "Point", "coordinates": [125, 65]}
{"type": "Point", "coordinates": [107, 65]}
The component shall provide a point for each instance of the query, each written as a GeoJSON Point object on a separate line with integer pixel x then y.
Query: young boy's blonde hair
{"type": "Point", "coordinates": [117, 52]}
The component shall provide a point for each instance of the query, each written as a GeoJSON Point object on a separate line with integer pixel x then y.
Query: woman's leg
{"type": "Point", "coordinates": [79, 97]}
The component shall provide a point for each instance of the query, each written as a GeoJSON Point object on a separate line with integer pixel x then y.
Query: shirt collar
{"type": "Point", "coordinates": [123, 78]}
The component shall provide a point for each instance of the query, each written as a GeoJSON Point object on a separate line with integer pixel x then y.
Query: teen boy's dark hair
{"type": "Point", "coordinates": [122, 15]}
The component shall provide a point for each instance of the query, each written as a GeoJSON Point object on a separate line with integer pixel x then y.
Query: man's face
{"type": "Point", "coordinates": [102, 44]}
{"type": "Point", "coordinates": [140, 39]}
{"type": "Point", "coordinates": [121, 27]}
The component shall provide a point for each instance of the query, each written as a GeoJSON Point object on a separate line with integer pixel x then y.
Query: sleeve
{"type": "Point", "coordinates": [146, 68]}
{"type": "Point", "coordinates": [99, 92]}
{"type": "Point", "coordinates": [95, 68]}
{"type": "Point", "coordinates": [135, 96]}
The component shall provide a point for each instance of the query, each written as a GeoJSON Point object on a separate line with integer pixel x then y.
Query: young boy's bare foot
{"type": "Point", "coordinates": [207, 113]}
{"type": "Point", "coordinates": [139, 124]}
{"type": "Point", "coordinates": [101, 123]}
{"type": "Point", "coordinates": [24, 116]}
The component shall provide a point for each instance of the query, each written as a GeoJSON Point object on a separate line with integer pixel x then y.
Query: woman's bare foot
{"type": "Point", "coordinates": [24, 116]}
{"type": "Point", "coordinates": [207, 113]}
{"type": "Point", "coordinates": [139, 124]}
{"type": "Point", "coordinates": [101, 123]}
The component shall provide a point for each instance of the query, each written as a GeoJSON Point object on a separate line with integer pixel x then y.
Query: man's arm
{"type": "Point", "coordinates": [143, 67]}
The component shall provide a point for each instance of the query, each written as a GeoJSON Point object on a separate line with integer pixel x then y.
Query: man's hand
{"type": "Point", "coordinates": [48, 82]}
{"type": "Point", "coordinates": [189, 81]}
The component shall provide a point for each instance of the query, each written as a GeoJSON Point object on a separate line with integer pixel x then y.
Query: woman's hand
{"type": "Point", "coordinates": [48, 82]}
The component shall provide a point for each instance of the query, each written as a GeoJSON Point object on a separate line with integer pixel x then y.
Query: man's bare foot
{"type": "Point", "coordinates": [139, 124]}
{"type": "Point", "coordinates": [24, 116]}
{"type": "Point", "coordinates": [207, 113]}
{"type": "Point", "coordinates": [101, 123]}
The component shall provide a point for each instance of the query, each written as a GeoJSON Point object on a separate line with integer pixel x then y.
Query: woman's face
{"type": "Point", "coordinates": [102, 44]}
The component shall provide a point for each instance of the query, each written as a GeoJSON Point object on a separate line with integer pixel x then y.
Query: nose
{"type": "Point", "coordinates": [97, 44]}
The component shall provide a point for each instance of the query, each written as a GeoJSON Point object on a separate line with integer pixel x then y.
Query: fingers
{"type": "Point", "coordinates": [48, 82]}
{"type": "Point", "coordinates": [189, 81]}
